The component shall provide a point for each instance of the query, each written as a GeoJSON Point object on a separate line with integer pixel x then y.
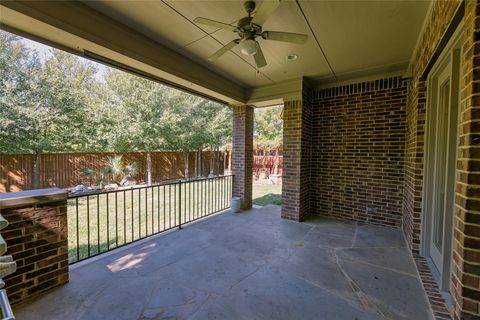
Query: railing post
{"type": "Point", "coordinates": [180, 204]}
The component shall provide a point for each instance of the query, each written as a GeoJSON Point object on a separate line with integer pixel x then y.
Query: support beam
{"type": "Point", "coordinates": [77, 28]}
{"type": "Point", "coordinates": [242, 155]}
{"type": "Point", "coordinates": [296, 157]}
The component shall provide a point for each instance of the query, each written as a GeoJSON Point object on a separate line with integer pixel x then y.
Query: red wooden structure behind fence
{"type": "Point", "coordinates": [267, 163]}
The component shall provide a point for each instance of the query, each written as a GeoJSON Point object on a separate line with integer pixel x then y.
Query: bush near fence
{"type": "Point", "coordinates": [64, 170]}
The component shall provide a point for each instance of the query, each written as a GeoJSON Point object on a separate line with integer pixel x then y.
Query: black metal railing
{"type": "Point", "coordinates": [103, 221]}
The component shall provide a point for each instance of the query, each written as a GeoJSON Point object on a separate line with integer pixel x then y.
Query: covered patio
{"type": "Point", "coordinates": [249, 265]}
{"type": "Point", "coordinates": [381, 113]}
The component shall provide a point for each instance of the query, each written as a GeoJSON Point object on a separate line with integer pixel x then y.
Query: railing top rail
{"type": "Point", "coordinates": [164, 183]}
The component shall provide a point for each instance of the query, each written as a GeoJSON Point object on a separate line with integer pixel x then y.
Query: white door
{"type": "Point", "coordinates": [441, 154]}
{"type": "Point", "coordinates": [440, 172]}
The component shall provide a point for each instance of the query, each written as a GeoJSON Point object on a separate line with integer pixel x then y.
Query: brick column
{"type": "Point", "coordinates": [242, 155]}
{"type": "Point", "coordinates": [36, 237]}
{"type": "Point", "coordinates": [466, 246]}
{"type": "Point", "coordinates": [297, 152]}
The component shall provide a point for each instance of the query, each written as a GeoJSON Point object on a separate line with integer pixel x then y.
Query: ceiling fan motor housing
{"type": "Point", "coordinates": [248, 28]}
{"type": "Point", "coordinates": [249, 6]}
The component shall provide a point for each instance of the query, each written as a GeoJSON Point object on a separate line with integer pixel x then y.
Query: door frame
{"type": "Point", "coordinates": [451, 54]}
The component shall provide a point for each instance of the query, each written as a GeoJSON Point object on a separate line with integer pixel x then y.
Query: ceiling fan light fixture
{"type": "Point", "coordinates": [292, 56]}
{"type": "Point", "coordinates": [249, 47]}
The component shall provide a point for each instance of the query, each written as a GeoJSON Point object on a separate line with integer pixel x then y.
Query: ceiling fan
{"type": "Point", "coordinates": [248, 28]}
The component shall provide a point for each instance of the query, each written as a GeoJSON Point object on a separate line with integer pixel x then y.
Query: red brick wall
{"type": "Point", "coordinates": [306, 153]}
{"type": "Point", "coordinates": [441, 15]}
{"type": "Point", "coordinates": [466, 253]}
{"type": "Point", "coordinates": [414, 145]}
{"type": "Point", "coordinates": [358, 140]}
{"type": "Point", "coordinates": [37, 239]}
{"type": "Point", "coordinates": [297, 152]}
{"type": "Point", "coordinates": [242, 154]}
{"type": "Point", "coordinates": [292, 148]}
{"type": "Point", "coordinates": [466, 246]}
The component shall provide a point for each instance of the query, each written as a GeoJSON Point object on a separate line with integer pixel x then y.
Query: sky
{"type": "Point", "coordinates": [42, 49]}
{"type": "Point", "coordinates": [44, 54]}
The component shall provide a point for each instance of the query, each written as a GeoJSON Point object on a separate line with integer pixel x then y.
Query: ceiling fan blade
{"type": "Point", "coordinates": [213, 23]}
{"type": "Point", "coordinates": [285, 36]}
{"type": "Point", "coordinates": [223, 50]}
{"type": "Point", "coordinates": [259, 58]}
{"type": "Point", "coordinates": [265, 10]}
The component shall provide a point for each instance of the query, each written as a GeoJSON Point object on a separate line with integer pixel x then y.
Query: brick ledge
{"type": "Point", "coordinates": [30, 197]}
{"type": "Point", "coordinates": [435, 299]}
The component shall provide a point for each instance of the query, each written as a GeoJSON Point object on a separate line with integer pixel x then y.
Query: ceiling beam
{"type": "Point", "coordinates": [275, 94]}
{"type": "Point", "coordinates": [78, 28]}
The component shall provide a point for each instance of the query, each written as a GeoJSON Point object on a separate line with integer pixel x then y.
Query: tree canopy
{"type": "Point", "coordinates": [268, 128]}
{"type": "Point", "coordinates": [64, 104]}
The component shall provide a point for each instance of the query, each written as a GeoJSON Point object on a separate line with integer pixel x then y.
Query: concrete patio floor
{"type": "Point", "coordinates": [251, 265]}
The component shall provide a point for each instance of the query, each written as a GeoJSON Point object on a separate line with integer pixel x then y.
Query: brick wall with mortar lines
{"type": "Point", "coordinates": [37, 239]}
{"type": "Point", "coordinates": [242, 154]}
{"type": "Point", "coordinates": [414, 145]}
{"type": "Point", "coordinates": [466, 245]}
{"type": "Point", "coordinates": [292, 206]}
{"type": "Point", "coordinates": [441, 15]}
{"type": "Point", "coordinates": [358, 139]}
{"type": "Point", "coordinates": [306, 153]}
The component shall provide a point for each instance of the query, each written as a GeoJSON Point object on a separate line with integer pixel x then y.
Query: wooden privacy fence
{"type": "Point", "coordinates": [267, 163]}
{"type": "Point", "coordinates": [64, 170]}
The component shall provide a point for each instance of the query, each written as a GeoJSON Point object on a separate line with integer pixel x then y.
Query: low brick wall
{"type": "Point", "coordinates": [36, 237]}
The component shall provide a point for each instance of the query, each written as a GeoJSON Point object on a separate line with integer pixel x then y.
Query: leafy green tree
{"type": "Point", "coordinates": [44, 108]}
{"type": "Point", "coordinates": [177, 129]}
{"type": "Point", "coordinates": [136, 110]}
{"type": "Point", "coordinates": [268, 128]}
{"type": "Point", "coordinates": [18, 69]}
{"type": "Point", "coordinates": [64, 104]}
{"type": "Point", "coordinates": [149, 116]}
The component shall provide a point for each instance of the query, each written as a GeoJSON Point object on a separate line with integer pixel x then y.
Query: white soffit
{"type": "Point", "coordinates": [351, 38]}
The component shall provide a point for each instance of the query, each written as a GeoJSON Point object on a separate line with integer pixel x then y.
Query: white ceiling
{"type": "Point", "coordinates": [358, 38]}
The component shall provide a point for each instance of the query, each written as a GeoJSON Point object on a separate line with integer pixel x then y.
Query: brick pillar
{"type": "Point", "coordinates": [466, 247]}
{"type": "Point", "coordinates": [296, 157]}
{"type": "Point", "coordinates": [36, 237]}
{"type": "Point", "coordinates": [242, 155]}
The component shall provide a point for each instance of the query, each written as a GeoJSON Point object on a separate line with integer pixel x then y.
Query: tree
{"type": "Point", "coordinates": [43, 108]}
{"type": "Point", "coordinates": [149, 116]}
{"type": "Point", "coordinates": [64, 104]}
{"type": "Point", "coordinates": [18, 67]}
{"type": "Point", "coordinates": [191, 123]}
{"type": "Point", "coordinates": [268, 130]}
{"type": "Point", "coordinates": [219, 129]}
{"type": "Point", "coordinates": [136, 111]}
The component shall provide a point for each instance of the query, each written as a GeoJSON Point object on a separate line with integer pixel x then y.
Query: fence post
{"type": "Point", "coordinates": [180, 204]}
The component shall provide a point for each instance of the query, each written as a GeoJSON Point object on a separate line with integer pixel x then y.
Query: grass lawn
{"type": "Point", "coordinates": [108, 220]}
{"type": "Point", "coordinates": [264, 194]}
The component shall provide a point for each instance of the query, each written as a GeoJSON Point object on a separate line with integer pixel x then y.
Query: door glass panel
{"type": "Point", "coordinates": [440, 165]}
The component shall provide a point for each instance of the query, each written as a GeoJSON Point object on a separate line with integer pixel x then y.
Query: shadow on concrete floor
{"type": "Point", "coordinates": [250, 265]}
